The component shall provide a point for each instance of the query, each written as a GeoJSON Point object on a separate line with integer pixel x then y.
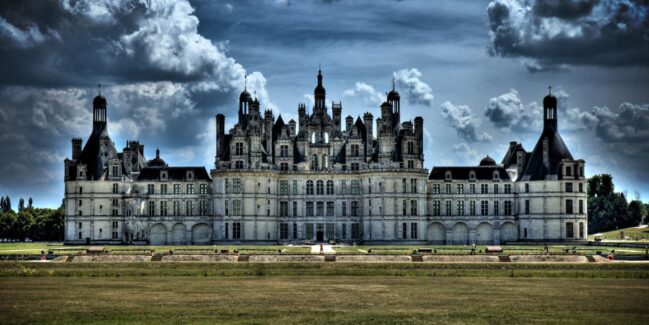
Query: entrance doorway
{"type": "Point", "coordinates": [319, 232]}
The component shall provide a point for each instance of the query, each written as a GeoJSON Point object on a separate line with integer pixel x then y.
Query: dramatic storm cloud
{"type": "Point", "coordinates": [550, 34]}
{"type": "Point", "coordinates": [462, 119]}
{"type": "Point", "coordinates": [167, 67]}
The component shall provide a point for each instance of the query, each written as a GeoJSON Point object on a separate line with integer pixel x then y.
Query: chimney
{"type": "Point", "coordinates": [76, 148]}
{"type": "Point", "coordinates": [220, 134]}
{"type": "Point", "coordinates": [349, 120]}
{"type": "Point", "coordinates": [291, 126]}
{"type": "Point", "coordinates": [337, 111]}
{"type": "Point", "coordinates": [368, 120]}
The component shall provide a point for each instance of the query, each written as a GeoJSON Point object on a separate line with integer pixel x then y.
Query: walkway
{"type": "Point", "coordinates": [326, 248]}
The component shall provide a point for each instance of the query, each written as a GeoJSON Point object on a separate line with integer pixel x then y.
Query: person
{"type": "Point", "coordinates": [545, 248]}
{"type": "Point", "coordinates": [321, 248]}
{"type": "Point", "coordinates": [473, 248]}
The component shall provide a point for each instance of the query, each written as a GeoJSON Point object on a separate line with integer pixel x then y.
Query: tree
{"type": "Point", "coordinates": [636, 212]}
{"type": "Point", "coordinates": [21, 204]}
{"type": "Point", "coordinates": [30, 203]}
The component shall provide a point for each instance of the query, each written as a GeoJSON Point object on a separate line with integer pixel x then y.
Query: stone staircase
{"type": "Point", "coordinates": [417, 258]}
{"type": "Point", "coordinates": [330, 258]}
{"type": "Point", "coordinates": [591, 259]}
{"type": "Point", "coordinates": [157, 258]}
{"type": "Point", "coordinates": [243, 258]}
{"type": "Point", "coordinates": [504, 258]}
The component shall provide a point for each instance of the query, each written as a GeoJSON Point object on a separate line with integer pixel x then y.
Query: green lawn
{"type": "Point", "coordinates": [633, 232]}
{"type": "Point", "coordinates": [465, 249]}
{"type": "Point", "coordinates": [167, 293]}
{"type": "Point", "coordinates": [36, 248]}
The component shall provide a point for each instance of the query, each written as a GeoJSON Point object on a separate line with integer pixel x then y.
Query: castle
{"type": "Point", "coordinates": [276, 181]}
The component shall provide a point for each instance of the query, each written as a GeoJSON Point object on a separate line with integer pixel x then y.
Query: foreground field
{"type": "Point", "coordinates": [635, 233]}
{"type": "Point", "coordinates": [323, 293]}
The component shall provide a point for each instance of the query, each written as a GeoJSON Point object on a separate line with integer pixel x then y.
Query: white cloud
{"type": "Point", "coordinates": [462, 119]}
{"type": "Point", "coordinates": [415, 90]}
{"type": "Point", "coordinates": [508, 112]}
{"type": "Point", "coordinates": [369, 96]}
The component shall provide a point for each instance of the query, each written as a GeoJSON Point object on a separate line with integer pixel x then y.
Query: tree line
{"type": "Point", "coordinates": [609, 210]}
{"type": "Point", "coordinates": [39, 224]}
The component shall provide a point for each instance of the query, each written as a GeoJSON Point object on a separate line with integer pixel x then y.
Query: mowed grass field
{"type": "Point", "coordinates": [319, 293]}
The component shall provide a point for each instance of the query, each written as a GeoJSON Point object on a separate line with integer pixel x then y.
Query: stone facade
{"type": "Point", "coordinates": [318, 180]}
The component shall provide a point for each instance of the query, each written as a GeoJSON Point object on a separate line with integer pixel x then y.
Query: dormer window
{"type": "Point", "coordinates": [448, 175]}
{"type": "Point", "coordinates": [472, 175]}
{"type": "Point", "coordinates": [163, 175]}
{"type": "Point", "coordinates": [496, 175]}
{"type": "Point", "coordinates": [190, 175]}
{"type": "Point", "coordinates": [568, 171]}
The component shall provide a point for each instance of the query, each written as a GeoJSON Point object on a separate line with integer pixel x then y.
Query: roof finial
{"type": "Point", "coordinates": [245, 82]}
{"type": "Point", "coordinates": [393, 82]}
{"type": "Point", "coordinates": [550, 90]}
{"type": "Point", "coordinates": [319, 67]}
{"type": "Point", "coordinates": [99, 89]}
{"type": "Point", "coordinates": [157, 152]}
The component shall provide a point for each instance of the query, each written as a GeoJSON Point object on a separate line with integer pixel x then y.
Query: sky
{"type": "Point", "coordinates": [476, 71]}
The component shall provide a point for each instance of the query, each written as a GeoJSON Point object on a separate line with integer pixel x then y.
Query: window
{"type": "Point", "coordinates": [330, 187]}
{"type": "Point", "coordinates": [460, 188]}
{"type": "Point", "coordinates": [472, 208]}
{"type": "Point", "coordinates": [356, 231]}
{"type": "Point", "coordinates": [344, 231]}
{"type": "Point", "coordinates": [484, 188]}
{"type": "Point", "coordinates": [320, 187]}
{"type": "Point", "coordinates": [581, 206]}
{"type": "Point", "coordinates": [283, 187]}
{"type": "Point", "coordinates": [81, 189]}
{"type": "Point", "coordinates": [177, 188]}
{"type": "Point", "coordinates": [355, 166]}
{"type": "Point", "coordinates": [309, 187]}
{"type": "Point", "coordinates": [404, 230]}
{"type": "Point", "coordinates": [413, 207]}
{"type": "Point", "coordinates": [319, 208]}
{"type": "Point", "coordinates": [202, 189]}
{"type": "Point", "coordinates": [568, 171]}
{"type": "Point", "coordinates": [236, 186]}
{"type": "Point", "coordinates": [581, 230]}
{"type": "Point", "coordinates": [295, 230]}
{"type": "Point", "coordinates": [413, 230]}
{"type": "Point", "coordinates": [404, 187]}
{"type": "Point", "coordinates": [283, 152]}
{"type": "Point", "coordinates": [151, 208]}
{"type": "Point", "coordinates": [283, 166]}
{"type": "Point", "coordinates": [508, 208]}
{"type": "Point", "coordinates": [525, 232]}
{"type": "Point", "coordinates": [225, 206]}
{"type": "Point", "coordinates": [283, 231]}
{"type": "Point", "coordinates": [238, 148]}
{"type": "Point", "coordinates": [190, 188]}
{"type": "Point", "coordinates": [330, 208]}
{"type": "Point", "coordinates": [569, 207]}
{"type": "Point", "coordinates": [236, 207]}
{"type": "Point", "coordinates": [527, 206]}
{"type": "Point", "coordinates": [496, 208]}
{"type": "Point", "coordinates": [527, 187]}
{"type": "Point", "coordinates": [472, 188]}
{"type": "Point", "coordinates": [343, 187]}
{"type": "Point", "coordinates": [448, 188]}
{"type": "Point", "coordinates": [569, 187]}
{"type": "Point", "coordinates": [344, 212]}
{"type": "Point", "coordinates": [508, 188]}
{"type": "Point", "coordinates": [460, 208]}
{"type": "Point", "coordinates": [314, 162]}
{"type": "Point", "coordinates": [115, 202]}
{"type": "Point", "coordinates": [115, 189]}
{"type": "Point", "coordinates": [484, 208]}
{"type": "Point", "coordinates": [294, 187]}
{"type": "Point", "coordinates": [150, 189]}
{"type": "Point", "coordinates": [115, 171]}
{"type": "Point", "coordinates": [283, 209]}
{"type": "Point", "coordinates": [404, 207]}
{"type": "Point", "coordinates": [176, 207]}
{"type": "Point", "coordinates": [356, 186]}
{"type": "Point", "coordinates": [163, 188]}
{"type": "Point", "coordinates": [369, 186]}
{"type": "Point", "coordinates": [581, 187]}
{"type": "Point", "coordinates": [496, 190]}
{"type": "Point", "coordinates": [236, 230]}
{"type": "Point", "coordinates": [238, 164]}
{"type": "Point", "coordinates": [355, 211]}
{"type": "Point", "coordinates": [411, 148]}
{"type": "Point", "coordinates": [163, 208]}
{"type": "Point", "coordinates": [448, 208]}
{"type": "Point", "coordinates": [189, 206]}
{"type": "Point", "coordinates": [436, 208]}
{"type": "Point", "coordinates": [411, 164]}
{"type": "Point", "coordinates": [309, 209]}
{"type": "Point", "coordinates": [294, 208]}
{"type": "Point", "coordinates": [436, 189]}
{"type": "Point", "coordinates": [570, 230]}
{"type": "Point", "coordinates": [413, 185]}
{"type": "Point", "coordinates": [355, 150]}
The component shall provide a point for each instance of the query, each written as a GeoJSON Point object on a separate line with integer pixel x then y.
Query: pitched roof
{"type": "Point", "coordinates": [481, 172]}
{"type": "Point", "coordinates": [173, 173]}
{"type": "Point", "coordinates": [95, 156]}
{"type": "Point", "coordinates": [537, 168]}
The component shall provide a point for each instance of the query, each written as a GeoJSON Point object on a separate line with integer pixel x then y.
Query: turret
{"type": "Point", "coordinates": [386, 116]}
{"type": "Point", "coordinates": [319, 95]}
{"type": "Point", "coordinates": [419, 132]}
{"type": "Point", "coordinates": [550, 111]}
{"type": "Point", "coordinates": [99, 106]}
{"type": "Point", "coordinates": [291, 126]}
{"type": "Point", "coordinates": [77, 144]}
{"type": "Point", "coordinates": [337, 111]}
{"type": "Point", "coordinates": [220, 135]}
{"type": "Point", "coordinates": [349, 120]}
{"type": "Point", "coordinates": [395, 101]}
{"type": "Point", "coordinates": [302, 118]}
{"type": "Point", "coordinates": [368, 120]}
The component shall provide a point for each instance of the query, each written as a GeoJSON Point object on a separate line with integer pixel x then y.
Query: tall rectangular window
{"type": "Point", "coordinates": [343, 187]}
{"type": "Point", "coordinates": [163, 188]}
{"type": "Point", "coordinates": [309, 209]}
{"type": "Point", "coordinates": [236, 185]}
{"type": "Point", "coordinates": [189, 206]}
{"type": "Point", "coordinates": [404, 230]}
{"type": "Point", "coordinates": [151, 208]}
{"type": "Point", "coordinates": [413, 207]}
{"type": "Point", "coordinates": [236, 207]}
{"type": "Point", "coordinates": [484, 188]}
{"type": "Point", "coordinates": [295, 208]}
{"type": "Point", "coordinates": [163, 208]}
{"type": "Point", "coordinates": [484, 208]}
{"type": "Point", "coordinates": [569, 206]}
{"type": "Point", "coordinates": [176, 188]}
{"type": "Point", "coordinates": [460, 208]}
{"type": "Point", "coordinates": [569, 187]}
{"type": "Point", "coordinates": [283, 187]}
{"type": "Point", "coordinates": [570, 230]}
{"type": "Point", "coordinates": [413, 185]}
{"type": "Point", "coordinates": [190, 188]}
{"type": "Point", "coordinates": [177, 208]}
{"type": "Point", "coordinates": [436, 189]}
{"type": "Point", "coordinates": [413, 230]}
{"type": "Point", "coordinates": [294, 187]}
{"type": "Point", "coordinates": [508, 188]}
{"type": "Point", "coordinates": [496, 208]}
{"type": "Point", "coordinates": [581, 230]}
{"type": "Point", "coordinates": [355, 211]}
{"type": "Point", "coordinates": [283, 231]}
{"type": "Point", "coordinates": [448, 208]}
{"type": "Point", "coordinates": [356, 186]}
{"type": "Point", "coordinates": [527, 206]}
{"type": "Point", "coordinates": [460, 188]}
{"type": "Point", "coordinates": [508, 208]}
{"type": "Point", "coordinates": [436, 208]}
{"type": "Point", "coordinates": [236, 230]}
{"type": "Point", "coordinates": [330, 208]}
{"type": "Point", "coordinates": [448, 189]}
{"type": "Point", "coordinates": [115, 189]}
{"type": "Point", "coordinates": [496, 189]}
{"type": "Point", "coordinates": [150, 189]}
{"type": "Point", "coordinates": [283, 208]}
{"type": "Point", "coordinates": [472, 188]}
{"type": "Point", "coordinates": [319, 208]}
{"type": "Point", "coordinates": [581, 206]}
{"type": "Point", "coordinates": [344, 212]}
{"type": "Point", "coordinates": [202, 189]}
{"type": "Point", "coordinates": [472, 208]}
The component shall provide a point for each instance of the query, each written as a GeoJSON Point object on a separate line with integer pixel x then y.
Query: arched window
{"type": "Point", "coordinates": [326, 137]}
{"type": "Point", "coordinates": [314, 162]}
{"type": "Point", "coordinates": [448, 175]}
{"type": "Point", "coordinates": [496, 174]}
{"type": "Point", "coordinates": [330, 187]}
{"type": "Point", "coordinates": [472, 175]}
{"type": "Point", "coordinates": [320, 187]}
{"type": "Point", "coordinates": [309, 187]}
{"type": "Point", "coordinates": [313, 137]}
{"type": "Point", "coordinates": [325, 162]}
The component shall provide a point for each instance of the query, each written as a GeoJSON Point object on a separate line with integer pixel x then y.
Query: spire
{"type": "Point", "coordinates": [99, 89]}
{"type": "Point", "coordinates": [392, 83]}
{"type": "Point", "coordinates": [550, 90]}
{"type": "Point", "coordinates": [157, 153]}
{"type": "Point", "coordinates": [245, 82]}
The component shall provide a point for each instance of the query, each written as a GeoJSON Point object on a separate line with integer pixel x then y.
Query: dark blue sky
{"type": "Point", "coordinates": [475, 70]}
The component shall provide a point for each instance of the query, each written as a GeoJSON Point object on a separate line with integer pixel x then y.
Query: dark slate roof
{"type": "Point", "coordinates": [510, 157]}
{"type": "Point", "coordinates": [341, 157]}
{"type": "Point", "coordinates": [535, 169]}
{"type": "Point", "coordinates": [487, 161]}
{"type": "Point", "coordinates": [225, 155]}
{"type": "Point", "coordinates": [174, 173]}
{"type": "Point", "coordinates": [481, 172]}
{"type": "Point", "coordinates": [94, 156]}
